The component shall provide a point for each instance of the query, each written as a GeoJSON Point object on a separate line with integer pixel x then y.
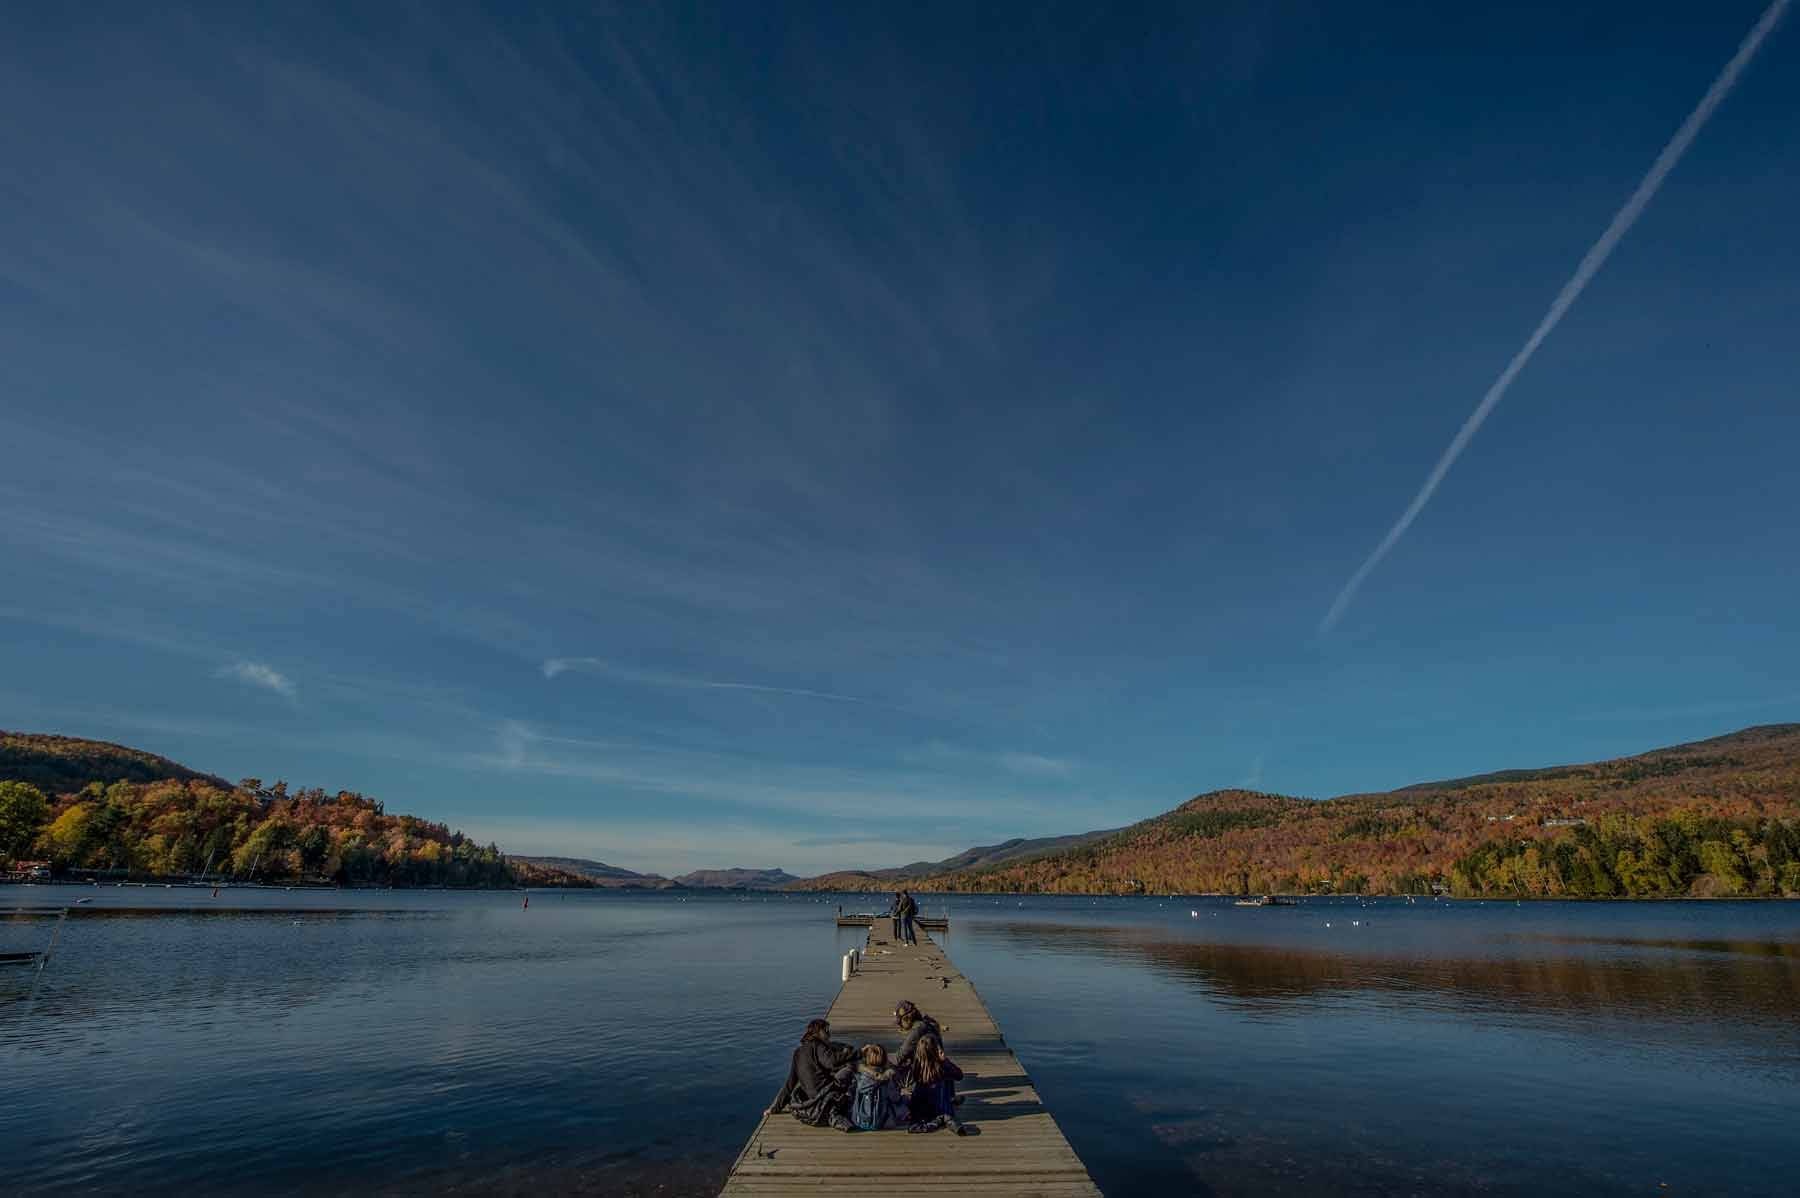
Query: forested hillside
{"type": "Point", "coordinates": [90, 805]}
{"type": "Point", "coordinates": [1716, 818]}
{"type": "Point", "coordinates": [58, 764]}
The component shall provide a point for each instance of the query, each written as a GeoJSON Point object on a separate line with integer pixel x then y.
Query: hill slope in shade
{"type": "Point", "coordinates": [736, 878]}
{"type": "Point", "coordinates": [60, 764]}
{"type": "Point", "coordinates": [593, 873]}
{"type": "Point", "coordinates": [981, 856]}
{"type": "Point", "coordinates": [1718, 817]}
{"type": "Point", "coordinates": [1015, 849]}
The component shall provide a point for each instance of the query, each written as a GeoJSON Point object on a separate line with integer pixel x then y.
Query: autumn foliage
{"type": "Point", "coordinates": [1716, 818]}
{"type": "Point", "coordinates": [140, 815]}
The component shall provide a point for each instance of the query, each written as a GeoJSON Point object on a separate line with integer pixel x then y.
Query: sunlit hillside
{"type": "Point", "coordinates": [1715, 818]}
{"type": "Point", "coordinates": [88, 805]}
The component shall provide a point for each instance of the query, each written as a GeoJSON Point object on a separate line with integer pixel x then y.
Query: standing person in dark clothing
{"type": "Point", "coordinates": [813, 1091]}
{"type": "Point", "coordinates": [894, 911]}
{"type": "Point", "coordinates": [908, 909]}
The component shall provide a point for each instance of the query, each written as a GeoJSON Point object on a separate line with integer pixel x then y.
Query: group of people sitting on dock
{"type": "Point", "coordinates": [864, 1089]}
{"type": "Point", "coordinates": [903, 910]}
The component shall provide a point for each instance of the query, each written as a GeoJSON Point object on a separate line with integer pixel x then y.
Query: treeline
{"type": "Point", "coordinates": [1621, 857]}
{"type": "Point", "coordinates": [184, 827]}
{"type": "Point", "coordinates": [1682, 854]}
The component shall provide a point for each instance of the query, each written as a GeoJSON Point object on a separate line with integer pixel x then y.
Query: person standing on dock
{"type": "Point", "coordinates": [908, 908]}
{"type": "Point", "coordinates": [893, 912]}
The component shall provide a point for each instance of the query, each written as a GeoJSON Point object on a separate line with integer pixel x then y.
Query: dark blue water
{"type": "Point", "coordinates": [304, 1042]}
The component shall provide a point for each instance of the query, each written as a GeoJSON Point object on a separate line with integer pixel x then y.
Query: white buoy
{"type": "Point", "coordinates": [846, 964]}
{"type": "Point", "coordinates": [1193, 915]}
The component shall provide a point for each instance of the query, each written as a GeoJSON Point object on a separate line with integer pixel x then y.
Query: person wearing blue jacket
{"type": "Point", "coordinates": [876, 1103]}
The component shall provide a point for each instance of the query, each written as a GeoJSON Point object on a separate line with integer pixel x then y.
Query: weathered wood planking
{"type": "Point", "coordinates": [1019, 1150]}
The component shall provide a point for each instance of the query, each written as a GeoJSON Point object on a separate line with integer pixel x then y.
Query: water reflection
{"type": "Point", "coordinates": [1742, 982]}
{"type": "Point", "coordinates": [1360, 1050]}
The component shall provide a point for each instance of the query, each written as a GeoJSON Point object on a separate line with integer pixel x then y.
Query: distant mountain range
{"type": "Point", "coordinates": [979, 857]}
{"type": "Point", "coordinates": [736, 878]}
{"type": "Point", "coordinates": [597, 872]}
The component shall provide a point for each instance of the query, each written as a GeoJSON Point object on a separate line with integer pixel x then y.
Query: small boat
{"type": "Point", "coordinates": [1267, 900]}
{"type": "Point", "coordinates": [18, 958]}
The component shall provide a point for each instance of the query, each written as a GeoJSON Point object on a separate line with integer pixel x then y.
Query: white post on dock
{"type": "Point", "coordinates": [846, 965]}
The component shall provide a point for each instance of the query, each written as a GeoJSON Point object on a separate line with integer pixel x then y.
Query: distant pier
{"type": "Point", "coordinates": [931, 923]}
{"type": "Point", "coordinates": [1018, 1149]}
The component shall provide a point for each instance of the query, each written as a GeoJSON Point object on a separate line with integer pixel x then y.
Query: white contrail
{"type": "Point", "coordinates": [1571, 291]}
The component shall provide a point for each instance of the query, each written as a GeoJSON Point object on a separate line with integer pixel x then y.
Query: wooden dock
{"type": "Point", "coordinates": [931, 923]}
{"type": "Point", "coordinates": [1017, 1149]}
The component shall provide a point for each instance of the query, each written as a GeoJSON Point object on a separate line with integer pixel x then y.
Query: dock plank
{"type": "Point", "coordinates": [1018, 1150]}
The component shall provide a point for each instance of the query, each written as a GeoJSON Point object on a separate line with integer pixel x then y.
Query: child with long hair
{"type": "Point", "coordinates": [934, 1078]}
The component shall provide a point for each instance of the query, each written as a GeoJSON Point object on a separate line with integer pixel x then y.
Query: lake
{"type": "Point", "coordinates": [303, 1042]}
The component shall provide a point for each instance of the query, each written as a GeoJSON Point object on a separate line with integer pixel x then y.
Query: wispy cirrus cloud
{"type": "Point", "coordinates": [555, 666]}
{"type": "Point", "coordinates": [939, 754]}
{"type": "Point", "coordinates": [739, 780]}
{"type": "Point", "coordinates": [255, 673]}
{"type": "Point", "coordinates": [1035, 765]}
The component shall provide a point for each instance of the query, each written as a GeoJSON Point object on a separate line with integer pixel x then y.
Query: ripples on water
{"type": "Point", "coordinates": [300, 1042]}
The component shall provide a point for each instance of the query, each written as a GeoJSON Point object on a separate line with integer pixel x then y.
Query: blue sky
{"type": "Point", "coordinates": [794, 437]}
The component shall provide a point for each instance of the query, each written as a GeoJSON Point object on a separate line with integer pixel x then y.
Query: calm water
{"type": "Point", "coordinates": [296, 1042]}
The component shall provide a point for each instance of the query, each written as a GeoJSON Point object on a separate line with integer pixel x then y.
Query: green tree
{"type": "Point", "coordinates": [23, 813]}
{"type": "Point", "coordinates": [70, 836]}
{"type": "Point", "coordinates": [313, 844]}
{"type": "Point", "coordinates": [1718, 859]}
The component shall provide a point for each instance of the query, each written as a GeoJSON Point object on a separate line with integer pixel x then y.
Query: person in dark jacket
{"type": "Point", "coordinates": [813, 1091]}
{"type": "Point", "coordinates": [894, 912]}
{"type": "Point", "coordinates": [917, 1025]}
{"type": "Point", "coordinates": [908, 908]}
